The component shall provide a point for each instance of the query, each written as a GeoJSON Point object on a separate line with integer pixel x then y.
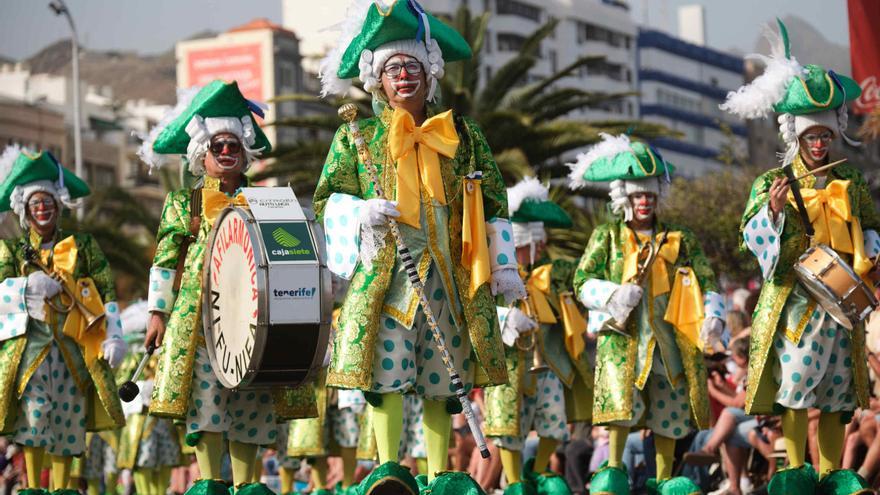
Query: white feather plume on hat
{"type": "Point", "coordinates": [608, 147]}
{"type": "Point", "coordinates": [145, 152]}
{"type": "Point", "coordinates": [348, 30]}
{"type": "Point", "coordinates": [528, 188]}
{"type": "Point", "coordinates": [756, 99]}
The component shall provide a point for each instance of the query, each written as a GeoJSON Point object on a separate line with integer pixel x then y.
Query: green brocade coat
{"type": "Point", "coordinates": [352, 358]}
{"type": "Point", "coordinates": [20, 356]}
{"type": "Point", "coordinates": [618, 355]}
{"type": "Point", "coordinates": [783, 304]}
{"type": "Point", "coordinates": [184, 328]}
{"type": "Point", "coordinates": [504, 402]}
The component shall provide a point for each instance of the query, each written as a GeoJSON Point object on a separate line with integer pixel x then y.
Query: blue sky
{"type": "Point", "coordinates": [151, 26]}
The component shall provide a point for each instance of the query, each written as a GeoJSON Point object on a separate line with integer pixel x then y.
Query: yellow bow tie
{"type": "Point", "coordinates": [659, 275]}
{"type": "Point", "coordinates": [830, 213]}
{"type": "Point", "coordinates": [538, 287]}
{"type": "Point", "coordinates": [213, 202]}
{"type": "Point", "coordinates": [416, 152]}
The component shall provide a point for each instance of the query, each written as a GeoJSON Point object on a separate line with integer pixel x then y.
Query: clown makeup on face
{"type": "Point", "coordinates": [405, 85]}
{"type": "Point", "coordinates": [225, 160]}
{"type": "Point", "coordinates": [42, 212]}
{"type": "Point", "coordinates": [644, 206]}
{"type": "Point", "coordinates": [814, 144]}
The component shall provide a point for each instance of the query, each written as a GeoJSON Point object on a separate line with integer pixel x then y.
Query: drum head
{"type": "Point", "coordinates": [232, 301]}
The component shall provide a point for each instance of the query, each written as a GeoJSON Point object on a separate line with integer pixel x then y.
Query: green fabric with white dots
{"type": "Point", "coordinates": [660, 406]}
{"type": "Point", "coordinates": [52, 411]}
{"type": "Point", "coordinates": [246, 416]}
{"type": "Point", "coordinates": [407, 358]}
{"type": "Point", "coordinates": [817, 370]}
{"type": "Point", "coordinates": [543, 412]}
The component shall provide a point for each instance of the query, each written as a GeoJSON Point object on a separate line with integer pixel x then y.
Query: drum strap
{"type": "Point", "coordinates": [799, 200]}
{"type": "Point", "coordinates": [195, 223]}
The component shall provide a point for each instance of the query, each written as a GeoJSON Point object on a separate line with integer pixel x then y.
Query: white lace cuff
{"type": "Point", "coordinates": [502, 252]}
{"type": "Point", "coordinates": [13, 309]}
{"type": "Point", "coordinates": [761, 235]}
{"type": "Point", "coordinates": [342, 233]}
{"type": "Point", "coordinates": [160, 297]}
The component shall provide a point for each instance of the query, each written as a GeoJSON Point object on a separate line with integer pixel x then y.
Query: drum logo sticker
{"type": "Point", "coordinates": [287, 241]}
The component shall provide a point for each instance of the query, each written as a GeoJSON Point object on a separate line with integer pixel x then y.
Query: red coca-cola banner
{"type": "Point", "coordinates": [864, 50]}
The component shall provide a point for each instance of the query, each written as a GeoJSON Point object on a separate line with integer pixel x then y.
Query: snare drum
{"type": "Point", "coordinates": [835, 286]}
{"type": "Point", "coordinates": [267, 301]}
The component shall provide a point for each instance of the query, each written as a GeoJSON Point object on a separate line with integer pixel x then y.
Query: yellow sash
{"type": "Point", "coordinates": [685, 310]}
{"type": "Point", "coordinates": [64, 256]}
{"type": "Point", "coordinates": [659, 275]}
{"type": "Point", "coordinates": [416, 152]}
{"type": "Point", "coordinates": [538, 286]}
{"type": "Point", "coordinates": [213, 202]}
{"type": "Point", "coordinates": [474, 243]}
{"type": "Point", "coordinates": [575, 325]}
{"type": "Point", "coordinates": [830, 212]}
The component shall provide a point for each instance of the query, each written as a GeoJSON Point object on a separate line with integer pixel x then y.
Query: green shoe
{"type": "Point", "coordinates": [208, 487]}
{"type": "Point", "coordinates": [257, 489]}
{"type": "Point", "coordinates": [800, 481]}
{"type": "Point", "coordinates": [843, 482]}
{"type": "Point", "coordinates": [422, 481]}
{"type": "Point", "coordinates": [66, 491]}
{"type": "Point", "coordinates": [33, 491]}
{"type": "Point", "coordinates": [389, 479]}
{"type": "Point", "coordinates": [609, 481]}
{"type": "Point", "coordinates": [454, 483]}
{"type": "Point", "coordinates": [546, 483]}
{"type": "Point", "coordinates": [674, 486]}
{"type": "Point", "coordinates": [521, 488]}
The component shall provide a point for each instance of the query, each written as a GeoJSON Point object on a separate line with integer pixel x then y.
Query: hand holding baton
{"type": "Point", "coordinates": [129, 390]}
{"type": "Point", "coordinates": [348, 112]}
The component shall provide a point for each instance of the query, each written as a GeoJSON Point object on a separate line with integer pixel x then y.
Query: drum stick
{"type": "Point", "coordinates": [348, 112]}
{"type": "Point", "coordinates": [129, 390]}
{"type": "Point", "coordinates": [815, 171]}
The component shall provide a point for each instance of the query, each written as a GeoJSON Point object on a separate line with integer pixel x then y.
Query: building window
{"type": "Point", "coordinates": [487, 6]}
{"type": "Point", "coordinates": [554, 62]}
{"type": "Point", "coordinates": [509, 42]}
{"type": "Point", "coordinates": [520, 9]}
{"type": "Point", "coordinates": [104, 176]}
{"type": "Point", "coordinates": [287, 77]}
{"type": "Point", "coordinates": [592, 32]}
{"type": "Point", "coordinates": [487, 43]}
{"type": "Point", "coordinates": [616, 72]}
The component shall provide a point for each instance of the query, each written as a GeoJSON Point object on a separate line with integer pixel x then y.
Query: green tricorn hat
{"type": "Point", "coordinates": [617, 158]}
{"type": "Point", "coordinates": [401, 21]}
{"type": "Point", "coordinates": [818, 90]}
{"type": "Point", "coordinates": [529, 202]}
{"type": "Point", "coordinates": [217, 100]}
{"type": "Point", "coordinates": [28, 168]}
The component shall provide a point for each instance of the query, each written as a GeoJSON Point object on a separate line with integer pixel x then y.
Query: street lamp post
{"type": "Point", "coordinates": [60, 8]}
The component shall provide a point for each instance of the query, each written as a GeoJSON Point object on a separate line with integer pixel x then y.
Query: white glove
{"type": "Point", "coordinates": [623, 301]}
{"type": "Point", "coordinates": [376, 211]}
{"type": "Point", "coordinates": [40, 287]}
{"type": "Point", "coordinates": [711, 333]}
{"type": "Point", "coordinates": [508, 283]}
{"type": "Point", "coordinates": [114, 350]}
{"type": "Point", "coordinates": [516, 323]}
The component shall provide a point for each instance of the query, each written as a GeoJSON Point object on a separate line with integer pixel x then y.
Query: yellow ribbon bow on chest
{"type": "Point", "coordinates": [831, 215]}
{"type": "Point", "coordinates": [213, 202]}
{"type": "Point", "coordinates": [668, 253]}
{"type": "Point", "coordinates": [416, 150]}
{"type": "Point", "coordinates": [538, 288]}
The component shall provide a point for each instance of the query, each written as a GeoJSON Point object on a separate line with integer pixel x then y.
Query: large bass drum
{"type": "Point", "coordinates": [267, 301]}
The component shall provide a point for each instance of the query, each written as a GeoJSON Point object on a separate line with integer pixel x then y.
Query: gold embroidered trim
{"type": "Point", "coordinates": [794, 336]}
{"type": "Point", "coordinates": [763, 332]}
{"type": "Point", "coordinates": [28, 373]}
{"type": "Point", "coordinates": [810, 96]}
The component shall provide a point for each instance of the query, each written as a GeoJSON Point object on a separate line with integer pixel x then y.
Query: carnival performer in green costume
{"type": "Point", "coordinates": [653, 317]}
{"type": "Point", "coordinates": [54, 369]}
{"type": "Point", "coordinates": [448, 198]}
{"type": "Point", "coordinates": [149, 446]}
{"type": "Point", "coordinates": [214, 129]}
{"type": "Point", "coordinates": [800, 356]}
{"type": "Point", "coordinates": [550, 325]}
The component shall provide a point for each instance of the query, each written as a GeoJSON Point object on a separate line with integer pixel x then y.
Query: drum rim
{"type": "Point", "coordinates": [262, 299]}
